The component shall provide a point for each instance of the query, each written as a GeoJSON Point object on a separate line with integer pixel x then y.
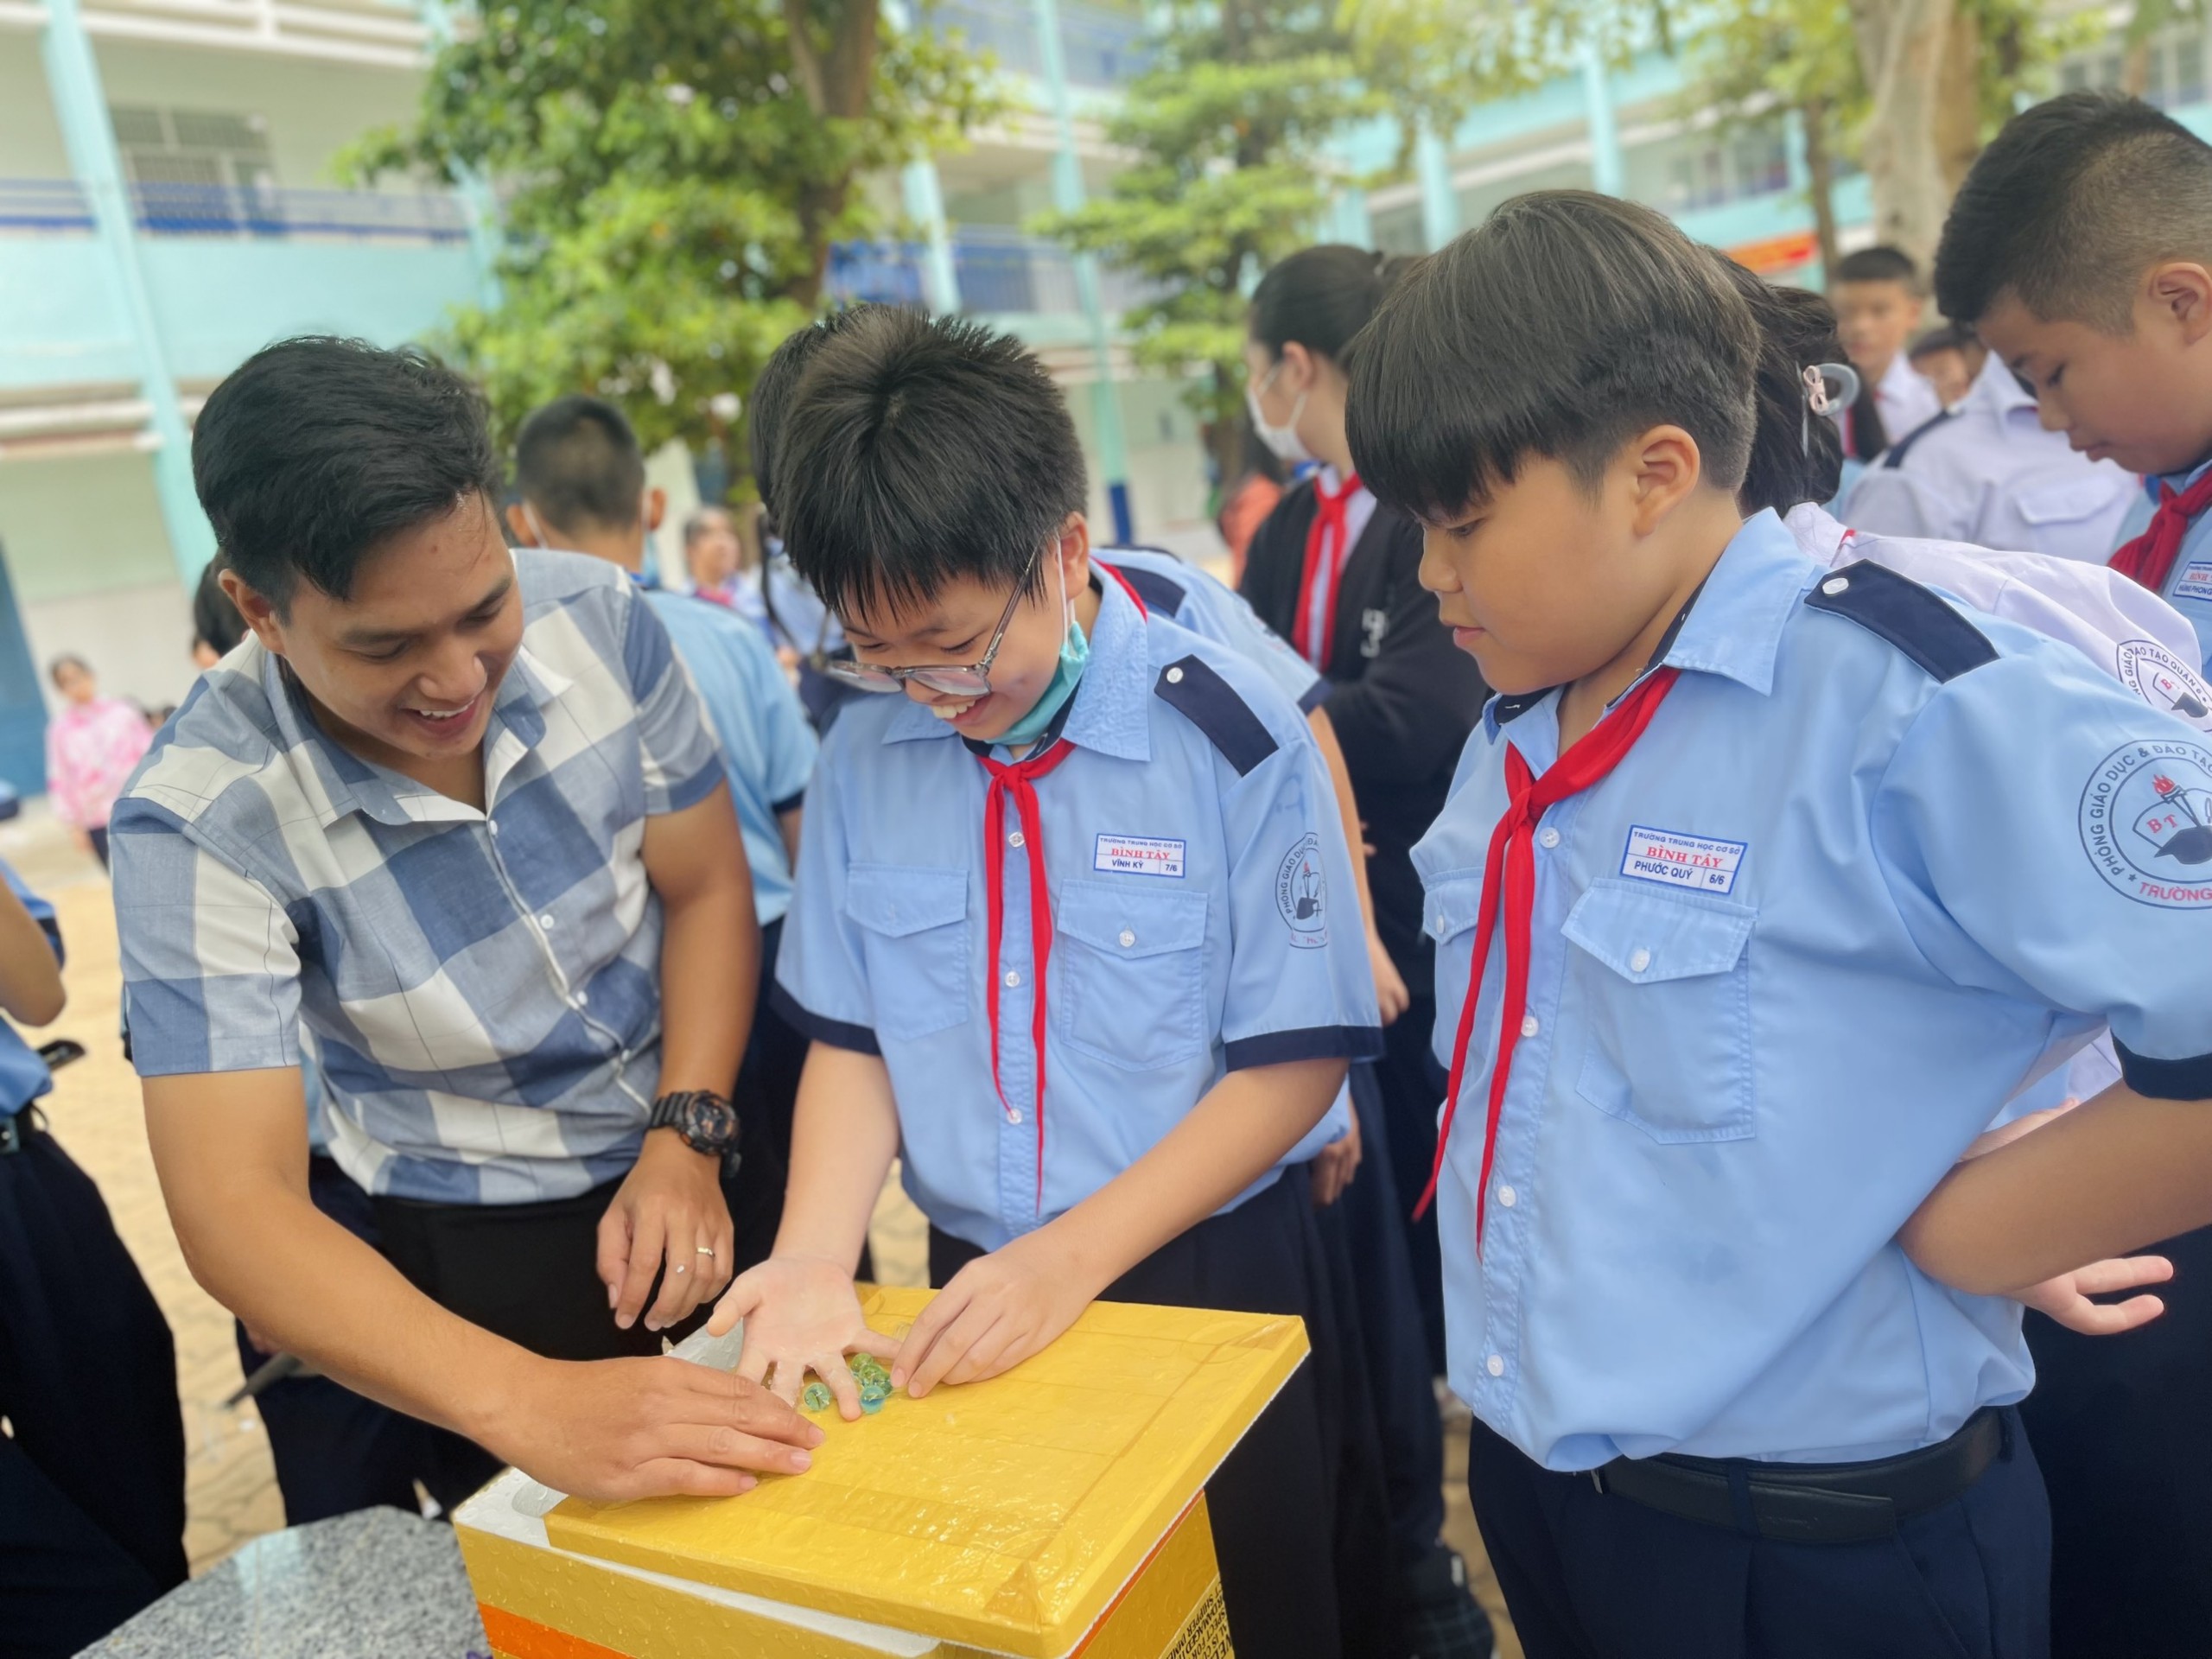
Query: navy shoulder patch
{"type": "Point", "coordinates": [1914, 618]}
{"type": "Point", "coordinates": [1162, 594]}
{"type": "Point", "coordinates": [1191, 686]}
{"type": "Point", "coordinates": [1902, 446]}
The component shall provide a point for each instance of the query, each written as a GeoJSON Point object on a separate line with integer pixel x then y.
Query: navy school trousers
{"type": "Point", "coordinates": [1274, 1500]}
{"type": "Point", "coordinates": [91, 1479]}
{"type": "Point", "coordinates": [1593, 1575]}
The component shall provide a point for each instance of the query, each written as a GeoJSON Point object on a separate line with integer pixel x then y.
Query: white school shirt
{"type": "Point", "coordinates": [1907, 398]}
{"type": "Point", "coordinates": [1989, 474]}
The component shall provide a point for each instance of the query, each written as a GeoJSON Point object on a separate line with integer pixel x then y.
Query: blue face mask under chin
{"type": "Point", "coordinates": [1067, 674]}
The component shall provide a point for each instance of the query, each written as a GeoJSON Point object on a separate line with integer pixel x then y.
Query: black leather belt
{"type": "Point", "coordinates": [1809, 1502]}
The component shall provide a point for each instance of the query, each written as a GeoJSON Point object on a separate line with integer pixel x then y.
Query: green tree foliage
{"type": "Point", "coordinates": [1228, 129]}
{"type": "Point", "coordinates": [672, 176]}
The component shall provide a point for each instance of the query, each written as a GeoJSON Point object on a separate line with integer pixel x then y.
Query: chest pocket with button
{"type": "Point", "coordinates": [1131, 965]}
{"type": "Point", "coordinates": [914, 937]}
{"type": "Point", "coordinates": [1665, 982]}
{"type": "Point", "coordinates": [1450, 909]}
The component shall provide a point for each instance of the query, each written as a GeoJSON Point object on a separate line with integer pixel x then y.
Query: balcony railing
{"type": "Point", "coordinates": [1000, 272]}
{"type": "Point", "coordinates": [223, 210]}
{"type": "Point", "coordinates": [1100, 48]}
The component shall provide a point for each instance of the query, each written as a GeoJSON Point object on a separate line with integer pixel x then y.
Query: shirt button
{"type": "Point", "coordinates": [1127, 939]}
{"type": "Point", "coordinates": [1014, 839]}
{"type": "Point", "coordinates": [1012, 1115]}
{"type": "Point", "coordinates": [1507, 1197]}
{"type": "Point", "coordinates": [1549, 838]}
{"type": "Point", "coordinates": [1835, 585]}
{"type": "Point", "coordinates": [1495, 1365]}
{"type": "Point", "coordinates": [577, 1001]}
{"type": "Point", "coordinates": [1638, 960]}
{"type": "Point", "coordinates": [1012, 977]}
{"type": "Point", "coordinates": [1528, 1026]}
{"type": "Point", "coordinates": [1173, 677]}
{"type": "Point", "coordinates": [491, 825]}
{"type": "Point", "coordinates": [546, 921]}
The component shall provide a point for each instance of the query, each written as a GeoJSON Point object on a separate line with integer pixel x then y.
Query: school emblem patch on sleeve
{"type": "Point", "coordinates": [2146, 822]}
{"type": "Point", "coordinates": [1302, 895]}
{"type": "Point", "coordinates": [2163, 681]}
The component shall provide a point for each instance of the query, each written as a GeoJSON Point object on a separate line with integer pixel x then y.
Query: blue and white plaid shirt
{"type": "Point", "coordinates": [484, 986]}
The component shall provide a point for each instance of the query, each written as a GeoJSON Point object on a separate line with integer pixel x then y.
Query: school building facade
{"type": "Point", "coordinates": [167, 206]}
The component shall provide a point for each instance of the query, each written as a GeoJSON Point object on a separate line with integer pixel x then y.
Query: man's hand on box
{"type": "Point", "coordinates": [611, 1430]}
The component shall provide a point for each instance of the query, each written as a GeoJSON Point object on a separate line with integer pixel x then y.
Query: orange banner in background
{"type": "Point", "coordinates": [1776, 253]}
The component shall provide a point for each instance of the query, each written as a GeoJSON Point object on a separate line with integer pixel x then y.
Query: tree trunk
{"type": "Point", "coordinates": [1819, 179]}
{"type": "Point", "coordinates": [1958, 100]}
{"type": "Point", "coordinates": [2135, 67]}
{"type": "Point", "coordinates": [1900, 50]}
{"type": "Point", "coordinates": [837, 88]}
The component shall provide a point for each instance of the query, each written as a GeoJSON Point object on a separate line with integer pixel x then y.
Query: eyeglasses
{"type": "Point", "coordinates": [973, 680]}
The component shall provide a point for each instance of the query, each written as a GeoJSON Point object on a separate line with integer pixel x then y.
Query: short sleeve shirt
{"type": "Point", "coordinates": [1789, 958]}
{"type": "Point", "coordinates": [483, 987]}
{"type": "Point", "coordinates": [766, 744]}
{"type": "Point", "coordinates": [1202, 919]}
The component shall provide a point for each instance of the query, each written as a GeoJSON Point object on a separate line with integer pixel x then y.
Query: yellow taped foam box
{"type": "Point", "coordinates": [1059, 1509]}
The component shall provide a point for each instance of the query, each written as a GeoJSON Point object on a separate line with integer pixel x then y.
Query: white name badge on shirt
{"type": "Point", "coordinates": [2195, 581]}
{"type": "Point", "coordinates": [1137, 855]}
{"type": "Point", "coordinates": [1678, 861]}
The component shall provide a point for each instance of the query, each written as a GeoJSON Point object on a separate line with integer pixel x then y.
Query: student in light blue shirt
{"type": "Point", "coordinates": [1760, 890]}
{"type": "Point", "coordinates": [1075, 941]}
{"type": "Point", "coordinates": [582, 476]}
{"type": "Point", "coordinates": [1985, 471]}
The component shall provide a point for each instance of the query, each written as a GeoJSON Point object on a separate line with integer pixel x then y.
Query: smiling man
{"type": "Point", "coordinates": [456, 810]}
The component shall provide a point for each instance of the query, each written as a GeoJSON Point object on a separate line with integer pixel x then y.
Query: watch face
{"type": "Point", "coordinates": [708, 1122]}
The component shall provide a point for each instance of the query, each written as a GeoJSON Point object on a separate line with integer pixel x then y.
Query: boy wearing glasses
{"type": "Point", "coordinates": [1075, 939]}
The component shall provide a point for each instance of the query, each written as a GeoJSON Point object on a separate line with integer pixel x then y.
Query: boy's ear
{"type": "Point", "coordinates": [1666, 466]}
{"type": "Point", "coordinates": [1074, 551]}
{"type": "Point", "coordinates": [518, 525]}
{"type": "Point", "coordinates": [2181, 290]}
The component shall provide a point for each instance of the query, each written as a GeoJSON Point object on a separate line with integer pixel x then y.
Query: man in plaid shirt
{"type": "Point", "coordinates": [457, 810]}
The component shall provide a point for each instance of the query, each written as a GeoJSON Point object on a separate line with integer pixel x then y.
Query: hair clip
{"type": "Point", "coordinates": [1829, 388]}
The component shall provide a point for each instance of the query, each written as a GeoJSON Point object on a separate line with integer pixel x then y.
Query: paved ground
{"type": "Point", "coordinates": [94, 1110]}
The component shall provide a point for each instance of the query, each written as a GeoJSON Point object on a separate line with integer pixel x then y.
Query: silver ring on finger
{"type": "Point", "coordinates": [702, 1249]}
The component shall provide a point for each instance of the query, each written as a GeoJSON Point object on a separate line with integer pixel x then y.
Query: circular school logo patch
{"type": "Point", "coordinates": [1302, 895]}
{"type": "Point", "coordinates": [2163, 681]}
{"type": "Point", "coordinates": [2146, 822]}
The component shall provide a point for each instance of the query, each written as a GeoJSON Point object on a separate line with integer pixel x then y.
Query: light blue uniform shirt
{"type": "Point", "coordinates": [1790, 959]}
{"type": "Point", "coordinates": [2189, 585]}
{"type": "Point", "coordinates": [24, 1075]}
{"type": "Point", "coordinates": [1213, 610]}
{"type": "Point", "coordinates": [1203, 914]}
{"type": "Point", "coordinates": [1988, 473]}
{"type": "Point", "coordinates": [766, 744]}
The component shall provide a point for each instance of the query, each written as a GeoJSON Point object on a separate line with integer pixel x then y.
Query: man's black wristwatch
{"type": "Point", "coordinates": [706, 1120]}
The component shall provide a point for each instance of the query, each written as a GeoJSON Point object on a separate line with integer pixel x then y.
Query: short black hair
{"type": "Point", "coordinates": [316, 451]}
{"type": "Point", "coordinates": [1880, 264]}
{"type": "Point", "coordinates": [1563, 325]}
{"type": "Point", "coordinates": [2068, 206]}
{"type": "Point", "coordinates": [1322, 297]}
{"type": "Point", "coordinates": [917, 450]}
{"type": "Point", "coordinates": [1796, 456]}
{"type": "Point", "coordinates": [773, 388]}
{"type": "Point", "coordinates": [1944, 337]}
{"type": "Point", "coordinates": [577, 462]}
{"type": "Point", "coordinates": [215, 621]}
{"type": "Point", "coordinates": [695, 523]}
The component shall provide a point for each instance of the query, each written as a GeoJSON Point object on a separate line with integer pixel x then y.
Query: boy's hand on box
{"type": "Point", "coordinates": [801, 1315]}
{"type": "Point", "coordinates": [998, 1311]}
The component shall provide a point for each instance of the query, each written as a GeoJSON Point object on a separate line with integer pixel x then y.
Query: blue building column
{"type": "Point", "coordinates": [924, 201]}
{"type": "Point", "coordinates": [72, 77]}
{"type": "Point", "coordinates": [1439, 201]}
{"type": "Point", "coordinates": [1067, 196]}
{"type": "Point", "coordinates": [1608, 172]}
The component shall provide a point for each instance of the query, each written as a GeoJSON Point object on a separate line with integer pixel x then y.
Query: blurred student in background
{"type": "Point", "coordinates": [91, 744]}
{"type": "Point", "coordinates": [1876, 292]}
